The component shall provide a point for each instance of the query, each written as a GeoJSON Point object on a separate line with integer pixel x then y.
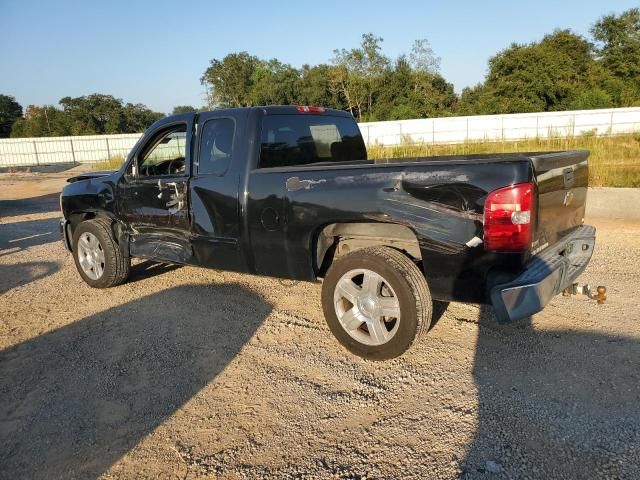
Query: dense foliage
{"type": "Point", "coordinates": [183, 109]}
{"type": "Point", "coordinates": [88, 115]}
{"type": "Point", "coordinates": [361, 80]}
{"type": "Point", "coordinates": [10, 111]}
{"type": "Point", "coordinates": [562, 71]}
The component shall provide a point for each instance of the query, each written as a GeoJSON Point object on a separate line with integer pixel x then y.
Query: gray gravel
{"type": "Point", "coordinates": [186, 373]}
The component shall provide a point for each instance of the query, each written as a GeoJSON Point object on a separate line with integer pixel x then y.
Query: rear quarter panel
{"type": "Point", "coordinates": [442, 202]}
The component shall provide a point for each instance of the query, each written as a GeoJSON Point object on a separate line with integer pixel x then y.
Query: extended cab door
{"type": "Point", "coordinates": [214, 190]}
{"type": "Point", "coordinates": [153, 193]}
{"type": "Point", "coordinates": [292, 194]}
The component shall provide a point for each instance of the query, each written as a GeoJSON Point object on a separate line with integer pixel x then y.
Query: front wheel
{"type": "Point", "coordinates": [98, 258]}
{"type": "Point", "coordinates": [376, 302]}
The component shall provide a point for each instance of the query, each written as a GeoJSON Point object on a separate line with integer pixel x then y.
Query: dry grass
{"type": "Point", "coordinates": [112, 163]}
{"type": "Point", "coordinates": [614, 161]}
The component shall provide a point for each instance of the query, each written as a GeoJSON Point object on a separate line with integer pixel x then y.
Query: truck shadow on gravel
{"type": "Point", "coordinates": [76, 399]}
{"type": "Point", "coordinates": [25, 206]}
{"type": "Point", "coordinates": [12, 276]}
{"type": "Point", "coordinates": [18, 236]}
{"type": "Point", "coordinates": [554, 404]}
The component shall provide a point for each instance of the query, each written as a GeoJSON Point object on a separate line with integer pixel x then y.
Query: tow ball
{"type": "Point", "coordinates": [599, 295]}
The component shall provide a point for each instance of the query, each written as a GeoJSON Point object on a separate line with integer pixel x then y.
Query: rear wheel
{"type": "Point", "coordinates": [98, 258]}
{"type": "Point", "coordinates": [376, 302]}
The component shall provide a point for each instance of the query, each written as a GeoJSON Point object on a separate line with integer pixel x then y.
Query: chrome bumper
{"type": "Point", "coordinates": [545, 276]}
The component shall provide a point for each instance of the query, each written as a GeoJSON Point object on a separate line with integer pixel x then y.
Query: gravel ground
{"type": "Point", "coordinates": [185, 373]}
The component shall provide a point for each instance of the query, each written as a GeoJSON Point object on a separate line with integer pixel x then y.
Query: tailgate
{"type": "Point", "coordinates": [562, 179]}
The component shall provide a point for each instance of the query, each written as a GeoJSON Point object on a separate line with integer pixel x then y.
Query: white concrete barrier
{"type": "Point", "coordinates": [517, 126]}
{"type": "Point", "coordinates": [444, 130]}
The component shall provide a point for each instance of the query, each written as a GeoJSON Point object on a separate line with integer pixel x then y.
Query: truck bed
{"type": "Point", "coordinates": [440, 198]}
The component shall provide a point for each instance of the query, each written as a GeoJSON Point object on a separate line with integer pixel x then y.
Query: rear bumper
{"type": "Point", "coordinates": [65, 233]}
{"type": "Point", "coordinates": [545, 276]}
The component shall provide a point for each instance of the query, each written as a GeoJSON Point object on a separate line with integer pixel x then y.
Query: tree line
{"type": "Point", "coordinates": [562, 71]}
{"type": "Point", "coordinates": [88, 115]}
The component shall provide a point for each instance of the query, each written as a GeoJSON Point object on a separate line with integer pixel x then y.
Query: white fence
{"type": "Point", "coordinates": [93, 148]}
{"type": "Point", "coordinates": [511, 127]}
{"type": "Point", "coordinates": [51, 150]}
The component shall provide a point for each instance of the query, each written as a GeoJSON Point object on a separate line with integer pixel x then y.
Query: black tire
{"type": "Point", "coordinates": [411, 290]}
{"type": "Point", "coordinates": [116, 264]}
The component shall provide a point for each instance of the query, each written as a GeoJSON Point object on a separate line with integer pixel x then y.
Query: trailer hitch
{"type": "Point", "coordinates": [600, 293]}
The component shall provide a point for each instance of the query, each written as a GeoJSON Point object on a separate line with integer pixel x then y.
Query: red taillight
{"type": "Point", "coordinates": [508, 218]}
{"type": "Point", "coordinates": [305, 109]}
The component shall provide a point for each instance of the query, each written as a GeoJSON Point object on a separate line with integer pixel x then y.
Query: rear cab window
{"type": "Point", "coordinates": [216, 146]}
{"type": "Point", "coordinates": [297, 140]}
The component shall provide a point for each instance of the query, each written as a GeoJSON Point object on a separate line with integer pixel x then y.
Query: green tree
{"type": "Point", "coordinates": [315, 88]}
{"type": "Point", "coordinates": [88, 115]}
{"type": "Point", "coordinates": [422, 58]}
{"type": "Point", "coordinates": [541, 76]}
{"type": "Point", "coordinates": [359, 75]}
{"type": "Point", "coordinates": [411, 92]}
{"type": "Point", "coordinates": [46, 121]}
{"type": "Point", "coordinates": [592, 98]}
{"type": "Point", "coordinates": [137, 118]}
{"type": "Point", "coordinates": [618, 43]}
{"type": "Point", "coordinates": [93, 114]}
{"type": "Point", "coordinates": [10, 111]}
{"type": "Point", "coordinates": [98, 114]}
{"type": "Point", "coordinates": [274, 83]}
{"type": "Point", "coordinates": [229, 81]}
{"type": "Point", "coordinates": [183, 109]}
{"type": "Point", "coordinates": [397, 101]}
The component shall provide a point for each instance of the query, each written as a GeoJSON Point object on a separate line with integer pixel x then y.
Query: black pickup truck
{"type": "Point", "coordinates": [288, 192]}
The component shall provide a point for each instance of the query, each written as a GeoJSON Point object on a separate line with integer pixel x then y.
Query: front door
{"type": "Point", "coordinates": [154, 196]}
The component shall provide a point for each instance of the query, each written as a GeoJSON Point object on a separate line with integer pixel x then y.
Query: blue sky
{"type": "Point", "coordinates": [154, 52]}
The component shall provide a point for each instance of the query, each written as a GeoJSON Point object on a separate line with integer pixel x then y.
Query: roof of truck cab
{"type": "Point", "coordinates": [282, 110]}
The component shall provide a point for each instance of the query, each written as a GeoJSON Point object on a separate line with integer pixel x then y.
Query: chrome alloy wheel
{"type": "Point", "coordinates": [90, 255]}
{"type": "Point", "coordinates": [367, 307]}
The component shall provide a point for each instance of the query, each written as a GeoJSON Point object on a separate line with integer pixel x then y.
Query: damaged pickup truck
{"type": "Point", "coordinates": [288, 192]}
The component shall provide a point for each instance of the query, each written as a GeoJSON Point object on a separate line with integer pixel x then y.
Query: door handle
{"type": "Point", "coordinates": [161, 187]}
{"type": "Point", "coordinates": [177, 200]}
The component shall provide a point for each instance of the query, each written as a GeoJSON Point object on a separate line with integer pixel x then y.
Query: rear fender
{"type": "Point", "coordinates": [338, 239]}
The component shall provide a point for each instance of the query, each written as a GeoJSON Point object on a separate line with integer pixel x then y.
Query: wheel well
{"type": "Point", "coordinates": [339, 239]}
{"type": "Point", "coordinates": [78, 217]}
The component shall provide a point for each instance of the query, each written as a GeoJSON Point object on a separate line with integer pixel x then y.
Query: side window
{"type": "Point", "coordinates": [165, 155]}
{"type": "Point", "coordinates": [216, 146]}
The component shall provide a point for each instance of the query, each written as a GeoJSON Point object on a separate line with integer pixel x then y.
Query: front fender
{"type": "Point", "coordinates": [90, 195]}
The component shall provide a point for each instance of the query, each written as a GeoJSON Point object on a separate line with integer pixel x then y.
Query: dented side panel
{"type": "Point", "coordinates": [92, 195]}
{"type": "Point", "coordinates": [442, 204]}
